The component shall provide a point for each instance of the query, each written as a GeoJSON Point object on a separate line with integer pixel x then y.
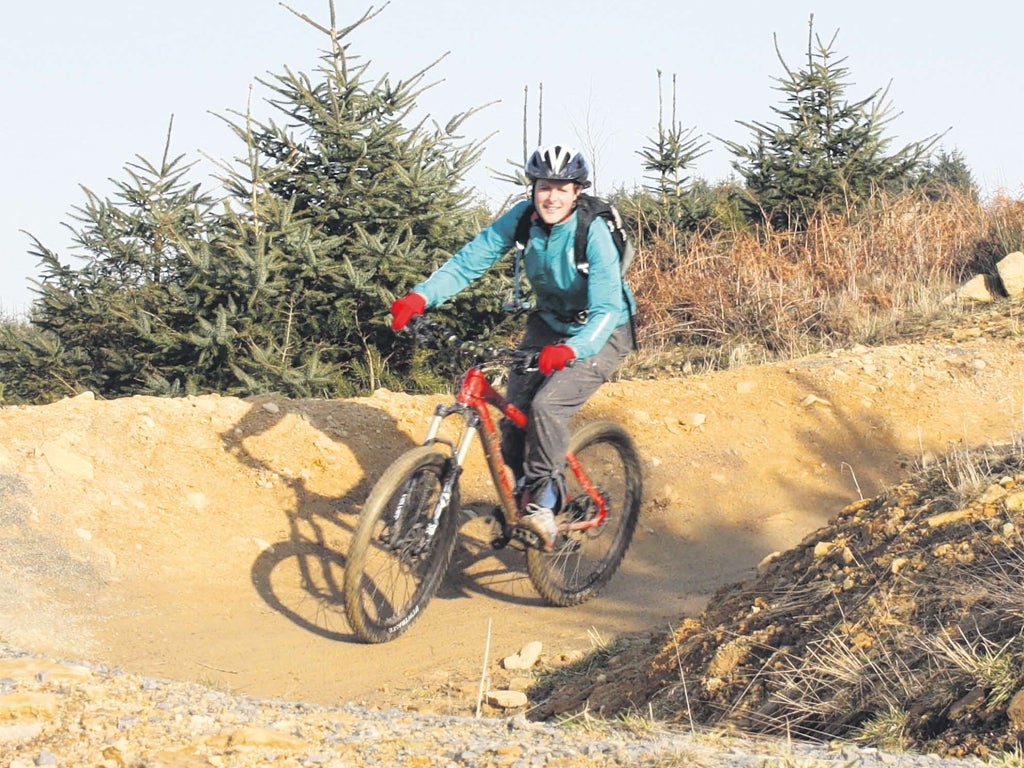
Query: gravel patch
{"type": "Point", "coordinates": [70, 714]}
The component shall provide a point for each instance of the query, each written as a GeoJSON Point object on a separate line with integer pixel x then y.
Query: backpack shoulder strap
{"type": "Point", "coordinates": [522, 233]}
{"type": "Point", "coordinates": [585, 205]}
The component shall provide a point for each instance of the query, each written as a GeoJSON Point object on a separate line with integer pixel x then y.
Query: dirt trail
{"type": "Point", "coordinates": [203, 538]}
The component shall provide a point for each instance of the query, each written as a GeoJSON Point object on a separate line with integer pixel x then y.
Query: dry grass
{"type": "Point", "coordinates": [982, 648]}
{"type": "Point", "coordinates": [717, 299]}
{"type": "Point", "coordinates": [914, 644]}
{"type": "Point", "coordinates": [974, 641]}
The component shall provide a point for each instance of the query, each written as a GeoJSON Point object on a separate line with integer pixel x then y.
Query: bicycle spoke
{"type": "Point", "coordinates": [398, 555]}
{"type": "Point", "coordinates": [584, 560]}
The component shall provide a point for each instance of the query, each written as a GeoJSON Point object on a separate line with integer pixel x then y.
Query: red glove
{"type": "Point", "coordinates": [555, 358]}
{"type": "Point", "coordinates": [405, 309]}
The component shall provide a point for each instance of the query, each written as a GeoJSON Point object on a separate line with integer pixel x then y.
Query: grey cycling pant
{"type": "Point", "coordinates": [536, 455]}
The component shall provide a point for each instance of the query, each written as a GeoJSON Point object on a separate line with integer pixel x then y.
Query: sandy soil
{"type": "Point", "coordinates": [203, 538]}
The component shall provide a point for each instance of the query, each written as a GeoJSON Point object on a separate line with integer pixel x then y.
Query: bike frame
{"type": "Point", "coordinates": [473, 402]}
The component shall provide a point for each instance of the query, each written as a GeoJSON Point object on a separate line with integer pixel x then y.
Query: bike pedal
{"type": "Point", "coordinates": [527, 537]}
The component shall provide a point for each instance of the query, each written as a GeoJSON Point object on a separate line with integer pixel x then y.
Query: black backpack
{"type": "Point", "coordinates": [587, 207]}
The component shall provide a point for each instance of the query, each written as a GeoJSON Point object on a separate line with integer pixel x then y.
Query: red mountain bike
{"type": "Point", "coordinates": [406, 533]}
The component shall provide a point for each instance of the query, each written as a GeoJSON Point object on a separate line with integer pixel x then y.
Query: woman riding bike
{"type": "Point", "coordinates": [581, 323]}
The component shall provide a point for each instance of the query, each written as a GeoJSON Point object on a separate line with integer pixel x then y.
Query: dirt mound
{"type": "Point", "coordinates": [203, 538]}
{"type": "Point", "coordinates": [899, 623]}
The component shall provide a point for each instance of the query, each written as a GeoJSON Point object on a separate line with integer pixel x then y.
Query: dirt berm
{"type": "Point", "coordinates": [203, 538]}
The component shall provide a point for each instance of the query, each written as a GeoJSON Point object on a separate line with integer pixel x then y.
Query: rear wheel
{"type": "Point", "coordinates": [401, 546]}
{"type": "Point", "coordinates": [583, 561]}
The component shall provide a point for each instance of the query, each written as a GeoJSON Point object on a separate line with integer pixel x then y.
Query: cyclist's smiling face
{"type": "Point", "coordinates": [554, 199]}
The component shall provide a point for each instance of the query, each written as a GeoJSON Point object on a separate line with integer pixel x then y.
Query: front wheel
{"type": "Point", "coordinates": [402, 545]}
{"type": "Point", "coordinates": [583, 561]}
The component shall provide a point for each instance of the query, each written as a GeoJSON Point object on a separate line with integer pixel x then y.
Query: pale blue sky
{"type": "Point", "coordinates": [90, 85]}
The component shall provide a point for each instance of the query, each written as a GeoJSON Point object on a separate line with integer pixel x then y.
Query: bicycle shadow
{"type": "Point", "coordinates": [300, 575]}
{"type": "Point", "coordinates": [478, 570]}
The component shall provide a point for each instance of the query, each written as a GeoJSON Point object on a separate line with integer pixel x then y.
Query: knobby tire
{"type": "Point", "coordinates": [582, 562]}
{"type": "Point", "coordinates": [394, 567]}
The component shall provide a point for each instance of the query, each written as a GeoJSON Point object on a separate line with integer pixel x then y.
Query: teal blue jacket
{"type": "Point", "coordinates": [560, 291]}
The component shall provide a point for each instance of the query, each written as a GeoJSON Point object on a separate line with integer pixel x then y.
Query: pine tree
{"type": "Point", "coordinates": [382, 201]}
{"type": "Point", "coordinates": [827, 152]}
{"type": "Point", "coordinates": [285, 284]}
{"type": "Point", "coordinates": [667, 157]}
{"type": "Point", "coordinates": [94, 324]}
{"type": "Point", "coordinates": [946, 174]}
